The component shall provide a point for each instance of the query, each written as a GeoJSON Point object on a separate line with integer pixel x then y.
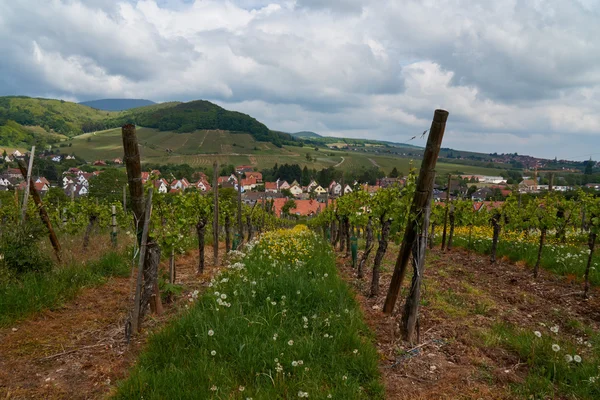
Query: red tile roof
{"type": "Point", "coordinates": [303, 207]}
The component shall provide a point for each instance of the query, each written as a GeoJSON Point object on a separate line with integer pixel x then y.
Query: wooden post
{"type": "Point", "coordinates": [239, 211]}
{"type": "Point", "coordinates": [43, 213]}
{"type": "Point", "coordinates": [125, 198]}
{"type": "Point", "coordinates": [29, 184]}
{"type": "Point", "coordinates": [551, 182]}
{"type": "Point", "coordinates": [446, 212]}
{"type": "Point", "coordinates": [410, 316]}
{"type": "Point", "coordinates": [134, 174]}
{"type": "Point", "coordinates": [113, 222]}
{"type": "Point", "coordinates": [73, 192]}
{"type": "Point", "coordinates": [216, 212]}
{"type": "Point", "coordinates": [419, 205]}
{"type": "Point", "coordinates": [135, 322]}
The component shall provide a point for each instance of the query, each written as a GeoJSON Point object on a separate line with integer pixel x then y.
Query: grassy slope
{"type": "Point", "coordinates": [284, 308]}
{"type": "Point", "coordinates": [35, 292]}
{"type": "Point", "coordinates": [201, 148]}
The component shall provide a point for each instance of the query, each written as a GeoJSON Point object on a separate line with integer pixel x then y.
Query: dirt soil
{"type": "Point", "coordinates": [78, 351]}
{"type": "Point", "coordinates": [463, 296]}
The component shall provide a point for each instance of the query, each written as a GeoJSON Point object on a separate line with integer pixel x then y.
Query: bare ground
{"type": "Point", "coordinates": [463, 296]}
{"type": "Point", "coordinates": [78, 351]}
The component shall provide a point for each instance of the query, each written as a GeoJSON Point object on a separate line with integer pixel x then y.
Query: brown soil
{"type": "Point", "coordinates": [78, 351]}
{"type": "Point", "coordinates": [463, 296]}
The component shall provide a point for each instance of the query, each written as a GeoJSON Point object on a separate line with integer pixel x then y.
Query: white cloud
{"type": "Point", "coordinates": [521, 76]}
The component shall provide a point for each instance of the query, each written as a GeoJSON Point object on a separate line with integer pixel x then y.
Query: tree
{"type": "Point", "coordinates": [589, 165]}
{"type": "Point", "coordinates": [288, 206]}
{"type": "Point", "coordinates": [108, 185]}
{"type": "Point", "coordinates": [305, 181]}
{"type": "Point", "coordinates": [394, 173]}
{"type": "Point", "coordinates": [472, 189]}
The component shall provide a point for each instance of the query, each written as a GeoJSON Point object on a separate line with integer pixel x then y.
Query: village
{"type": "Point", "coordinates": [308, 200]}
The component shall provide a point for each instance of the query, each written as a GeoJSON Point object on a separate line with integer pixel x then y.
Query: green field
{"type": "Point", "coordinates": [202, 148]}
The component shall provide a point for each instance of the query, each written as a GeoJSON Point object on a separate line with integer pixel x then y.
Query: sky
{"type": "Point", "coordinates": [515, 75]}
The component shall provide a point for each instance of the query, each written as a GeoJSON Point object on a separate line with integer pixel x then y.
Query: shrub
{"type": "Point", "coordinates": [21, 252]}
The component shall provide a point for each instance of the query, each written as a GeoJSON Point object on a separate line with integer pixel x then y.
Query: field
{"type": "Point", "coordinates": [202, 148]}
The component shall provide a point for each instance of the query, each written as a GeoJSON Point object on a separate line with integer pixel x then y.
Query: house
{"type": "Point", "coordinates": [99, 163]}
{"type": "Point", "coordinates": [244, 168]}
{"type": "Point", "coordinates": [347, 189]}
{"type": "Point", "coordinates": [312, 185]}
{"type": "Point", "coordinates": [73, 171]}
{"type": "Point", "coordinates": [118, 161]}
{"type": "Point", "coordinates": [227, 179]}
{"type": "Point", "coordinates": [69, 157]}
{"type": "Point", "coordinates": [335, 189]}
{"type": "Point", "coordinates": [4, 182]}
{"type": "Point", "coordinates": [305, 208]}
{"type": "Point", "coordinates": [41, 179]}
{"type": "Point", "coordinates": [387, 182]}
{"type": "Point", "coordinates": [13, 173]}
{"type": "Point", "coordinates": [283, 185]}
{"type": "Point", "coordinates": [17, 154]}
{"type": "Point", "coordinates": [41, 187]}
{"type": "Point", "coordinates": [161, 186]}
{"type": "Point", "coordinates": [528, 186]}
{"type": "Point", "coordinates": [76, 190]}
{"type": "Point", "coordinates": [180, 184]}
{"type": "Point", "coordinates": [296, 190]}
{"type": "Point", "coordinates": [271, 187]}
{"type": "Point", "coordinates": [249, 183]}
{"type": "Point", "coordinates": [67, 180]}
{"type": "Point", "coordinates": [595, 186]}
{"type": "Point", "coordinates": [255, 175]}
{"type": "Point", "coordinates": [57, 158]}
{"type": "Point", "coordinates": [202, 185]}
{"type": "Point", "coordinates": [319, 190]}
{"type": "Point", "coordinates": [481, 194]}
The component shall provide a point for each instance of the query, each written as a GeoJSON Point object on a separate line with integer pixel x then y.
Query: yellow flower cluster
{"type": "Point", "coordinates": [486, 233]}
{"type": "Point", "coordinates": [289, 245]}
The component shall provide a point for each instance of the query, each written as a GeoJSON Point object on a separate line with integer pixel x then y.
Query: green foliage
{"type": "Point", "coordinates": [21, 251]}
{"type": "Point", "coordinates": [108, 185]}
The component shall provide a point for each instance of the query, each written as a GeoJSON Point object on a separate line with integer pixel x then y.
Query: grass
{"type": "Point", "coordinates": [550, 373]}
{"type": "Point", "coordinates": [279, 324]}
{"type": "Point", "coordinates": [565, 260]}
{"type": "Point", "coordinates": [35, 292]}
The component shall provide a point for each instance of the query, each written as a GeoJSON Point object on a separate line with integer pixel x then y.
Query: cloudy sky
{"type": "Point", "coordinates": [516, 76]}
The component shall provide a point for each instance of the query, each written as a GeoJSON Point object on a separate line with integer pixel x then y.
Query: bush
{"type": "Point", "coordinates": [21, 251]}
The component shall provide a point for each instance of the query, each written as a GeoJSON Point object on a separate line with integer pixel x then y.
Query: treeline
{"type": "Point", "coordinates": [293, 172]}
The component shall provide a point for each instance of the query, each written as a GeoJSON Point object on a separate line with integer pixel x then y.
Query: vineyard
{"type": "Point", "coordinates": [380, 295]}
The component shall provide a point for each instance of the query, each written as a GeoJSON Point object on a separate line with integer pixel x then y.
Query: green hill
{"type": "Point", "coordinates": [117, 104]}
{"type": "Point", "coordinates": [203, 115]}
{"type": "Point", "coordinates": [71, 119]}
{"type": "Point", "coordinates": [57, 116]}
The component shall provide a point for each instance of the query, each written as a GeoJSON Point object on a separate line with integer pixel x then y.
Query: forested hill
{"type": "Point", "coordinates": [202, 114]}
{"type": "Point", "coordinates": [71, 119]}
{"type": "Point", "coordinates": [117, 104]}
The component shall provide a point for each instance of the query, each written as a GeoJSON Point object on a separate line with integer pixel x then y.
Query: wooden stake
{"type": "Point", "coordinates": [216, 212]}
{"type": "Point", "coordinates": [419, 205]}
{"type": "Point", "coordinates": [239, 209]}
{"type": "Point", "coordinates": [43, 213]}
{"type": "Point", "coordinates": [125, 198]}
{"type": "Point", "coordinates": [446, 212]}
{"type": "Point", "coordinates": [135, 323]}
{"type": "Point", "coordinates": [113, 236]}
{"type": "Point", "coordinates": [134, 174]}
{"type": "Point", "coordinates": [29, 185]}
